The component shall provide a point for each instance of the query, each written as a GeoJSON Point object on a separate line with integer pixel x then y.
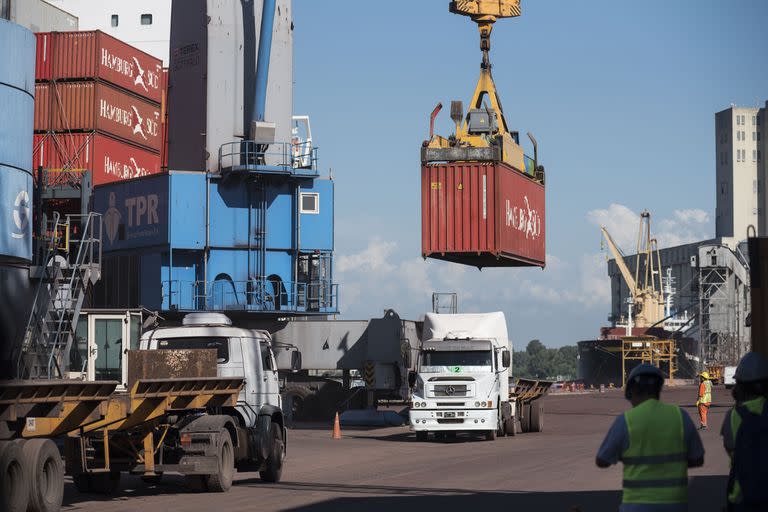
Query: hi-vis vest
{"type": "Point", "coordinates": [656, 462]}
{"type": "Point", "coordinates": [706, 396]}
{"type": "Point", "coordinates": [755, 406]}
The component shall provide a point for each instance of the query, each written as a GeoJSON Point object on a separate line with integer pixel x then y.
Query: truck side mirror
{"type": "Point", "coordinates": [506, 359]}
{"type": "Point", "coordinates": [411, 379]}
{"type": "Point", "coordinates": [295, 361]}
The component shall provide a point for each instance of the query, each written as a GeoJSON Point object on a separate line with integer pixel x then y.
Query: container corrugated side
{"type": "Point", "coordinates": [107, 159]}
{"type": "Point", "coordinates": [17, 63]}
{"type": "Point", "coordinates": [17, 108]}
{"type": "Point", "coordinates": [15, 214]}
{"type": "Point", "coordinates": [94, 54]}
{"type": "Point", "coordinates": [44, 56]}
{"type": "Point", "coordinates": [482, 214]}
{"type": "Point", "coordinates": [88, 106]}
{"type": "Point", "coordinates": [42, 114]}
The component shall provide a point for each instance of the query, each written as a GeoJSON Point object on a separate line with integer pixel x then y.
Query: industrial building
{"type": "Point", "coordinates": [742, 171]}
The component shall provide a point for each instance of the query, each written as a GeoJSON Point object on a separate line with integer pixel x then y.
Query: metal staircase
{"type": "Point", "coordinates": [69, 264]}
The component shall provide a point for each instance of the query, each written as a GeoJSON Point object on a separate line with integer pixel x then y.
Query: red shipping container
{"type": "Point", "coordinates": [95, 54]}
{"type": "Point", "coordinates": [44, 56]}
{"type": "Point", "coordinates": [89, 106]}
{"type": "Point", "coordinates": [482, 214]}
{"type": "Point", "coordinates": [164, 121]}
{"type": "Point", "coordinates": [108, 159]}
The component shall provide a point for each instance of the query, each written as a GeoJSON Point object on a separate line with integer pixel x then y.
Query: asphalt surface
{"type": "Point", "coordinates": [373, 470]}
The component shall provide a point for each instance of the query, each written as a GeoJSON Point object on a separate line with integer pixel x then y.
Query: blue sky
{"type": "Point", "coordinates": [620, 95]}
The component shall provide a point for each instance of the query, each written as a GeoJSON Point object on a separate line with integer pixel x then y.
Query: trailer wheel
{"type": "Point", "coordinates": [274, 469]}
{"type": "Point", "coordinates": [221, 481]}
{"type": "Point", "coordinates": [294, 402]}
{"type": "Point", "coordinates": [13, 483]}
{"type": "Point", "coordinates": [509, 426]}
{"type": "Point", "coordinates": [525, 421]}
{"type": "Point", "coordinates": [537, 417]}
{"type": "Point", "coordinates": [422, 436]}
{"type": "Point", "coordinates": [45, 473]}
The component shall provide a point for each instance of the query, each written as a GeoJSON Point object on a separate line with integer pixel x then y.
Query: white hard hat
{"type": "Point", "coordinates": [752, 368]}
{"type": "Point", "coordinates": [645, 369]}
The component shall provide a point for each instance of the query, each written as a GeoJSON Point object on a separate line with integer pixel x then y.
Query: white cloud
{"type": "Point", "coordinates": [620, 222]}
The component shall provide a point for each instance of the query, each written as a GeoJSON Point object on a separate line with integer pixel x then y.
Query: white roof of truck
{"type": "Point", "coordinates": [466, 325]}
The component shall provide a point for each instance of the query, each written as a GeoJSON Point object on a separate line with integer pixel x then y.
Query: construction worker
{"type": "Point", "coordinates": [745, 432]}
{"type": "Point", "coordinates": [705, 398]}
{"type": "Point", "coordinates": [656, 442]}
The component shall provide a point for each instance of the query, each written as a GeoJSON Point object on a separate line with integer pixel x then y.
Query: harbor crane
{"type": "Point", "coordinates": [645, 287]}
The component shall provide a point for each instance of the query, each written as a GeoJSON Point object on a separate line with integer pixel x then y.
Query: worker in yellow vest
{"type": "Point", "coordinates": [705, 398]}
{"type": "Point", "coordinates": [745, 436]}
{"type": "Point", "coordinates": [656, 442]}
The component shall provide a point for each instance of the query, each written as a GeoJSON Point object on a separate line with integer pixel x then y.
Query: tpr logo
{"type": "Point", "coordinates": [21, 210]}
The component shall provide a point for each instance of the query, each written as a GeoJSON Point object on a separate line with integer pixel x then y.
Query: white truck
{"type": "Point", "coordinates": [462, 380]}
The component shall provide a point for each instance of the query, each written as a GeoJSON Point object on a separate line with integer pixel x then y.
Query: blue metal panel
{"type": "Point", "coordinates": [317, 228]}
{"type": "Point", "coordinates": [150, 286]}
{"type": "Point", "coordinates": [187, 220]}
{"type": "Point", "coordinates": [279, 264]}
{"type": "Point", "coordinates": [135, 213]}
{"type": "Point", "coordinates": [179, 282]}
{"type": "Point", "coordinates": [280, 218]}
{"type": "Point", "coordinates": [17, 65]}
{"type": "Point", "coordinates": [15, 214]}
{"type": "Point", "coordinates": [16, 128]}
{"type": "Point", "coordinates": [229, 213]}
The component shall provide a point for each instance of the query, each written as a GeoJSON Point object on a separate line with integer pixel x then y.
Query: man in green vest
{"type": "Point", "coordinates": [748, 483]}
{"type": "Point", "coordinates": [656, 442]}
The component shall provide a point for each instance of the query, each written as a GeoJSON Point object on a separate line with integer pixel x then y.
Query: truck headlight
{"type": "Point", "coordinates": [423, 404]}
{"type": "Point", "coordinates": [483, 404]}
{"type": "Point", "coordinates": [416, 404]}
{"type": "Point", "coordinates": [477, 404]}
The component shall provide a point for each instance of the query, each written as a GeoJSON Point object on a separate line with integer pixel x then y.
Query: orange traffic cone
{"type": "Point", "coordinates": [336, 428]}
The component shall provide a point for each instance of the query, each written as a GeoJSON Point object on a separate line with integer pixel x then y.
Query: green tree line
{"type": "Point", "coordinates": [540, 362]}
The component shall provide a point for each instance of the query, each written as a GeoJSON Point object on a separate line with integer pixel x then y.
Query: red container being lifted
{"type": "Point", "coordinates": [96, 55]}
{"type": "Point", "coordinates": [107, 159]}
{"type": "Point", "coordinates": [89, 106]}
{"type": "Point", "coordinates": [482, 214]}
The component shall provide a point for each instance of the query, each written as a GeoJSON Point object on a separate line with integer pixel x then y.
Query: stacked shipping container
{"type": "Point", "coordinates": [97, 107]}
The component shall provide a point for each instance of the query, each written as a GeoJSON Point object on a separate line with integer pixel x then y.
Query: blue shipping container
{"type": "Point", "coordinates": [15, 214]}
{"type": "Point", "coordinates": [16, 127]}
{"type": "Point", "coordinates": [17, 60]}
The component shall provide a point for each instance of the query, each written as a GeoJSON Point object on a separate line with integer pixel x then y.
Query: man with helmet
{"type": "Point", "coordinates": [656, 442]}
{"type": "Point", "coordinates": [705, 398]}
{"type": "Point", "coordinates": [745, 436]}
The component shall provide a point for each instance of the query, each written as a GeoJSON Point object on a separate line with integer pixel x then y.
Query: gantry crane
{"type": "Point", "coordinates": [645, 289]}
{"type": "Point", "coordinates": [484, 134]}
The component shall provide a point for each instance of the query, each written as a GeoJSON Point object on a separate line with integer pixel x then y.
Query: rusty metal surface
{"type": "Point", "coordinates": [170, 364]}
{"type": "Point", "coordinates": [528, 390]}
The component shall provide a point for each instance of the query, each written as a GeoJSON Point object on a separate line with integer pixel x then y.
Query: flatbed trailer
{"type": "Point", "coordinates": [159, 425]}
{"type": "Point", "coordinates": [525, 394]}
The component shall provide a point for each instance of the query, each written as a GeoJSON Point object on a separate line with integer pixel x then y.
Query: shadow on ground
{"type": "Point", "coordinates": [707, 493]}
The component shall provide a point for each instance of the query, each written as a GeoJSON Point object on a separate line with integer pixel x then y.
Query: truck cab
{"type": "Point", "coordinates": [462, 378]}
{"type": "Point", "coordinates": [240, 352]}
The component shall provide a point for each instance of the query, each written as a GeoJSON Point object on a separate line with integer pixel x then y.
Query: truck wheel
{"type": "Point", "coordinates": [196, 483]}
{"type": "Point", "coordinates": [294, 402]}
{"type": "Point", "coordinates": [274, 469]}
{"type": "Point", "coordinates": [500, 430]}
{"type": "Point", "coordinates": [45, 473]}
{"type": "Point", "coordinates": [537, 417]}
{"type": "Point", "coordinates": [13, 482]}
{"type": "Point", "coordinates": [490, 435]}
{"type": "Point", "coordinates": [422, 436]}
{"type": "Point", "coordinates": [221, 481]}
{"type": "Point", "coordinates": [525, 420]}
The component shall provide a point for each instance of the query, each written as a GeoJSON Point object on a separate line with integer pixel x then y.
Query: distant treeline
{"type": "Point", "coordinates": [540, 362]}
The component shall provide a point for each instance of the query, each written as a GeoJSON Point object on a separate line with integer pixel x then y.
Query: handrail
{"type": "Point", "coordinates": [51, 249]}
{"type": "Point", "coordinates": [286, 156]}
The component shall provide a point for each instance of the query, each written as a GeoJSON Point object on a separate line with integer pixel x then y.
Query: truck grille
{"type": "Point", "coordinates": [450, 420]}
{"type": "Point", "coordinates": [450, 390]}
{"type": "Point", "coordinates": [450, 404]}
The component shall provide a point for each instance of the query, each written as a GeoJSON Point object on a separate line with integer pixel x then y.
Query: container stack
{"type": "Point", "coordinates": [98, 109]}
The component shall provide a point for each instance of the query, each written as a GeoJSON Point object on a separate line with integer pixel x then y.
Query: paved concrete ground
{"type": "Point", "coordinates": [386, 470]}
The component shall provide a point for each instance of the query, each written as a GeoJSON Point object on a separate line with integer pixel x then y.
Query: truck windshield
{"type": "Point", "coordinates": [456, 362]}
{"type": "Point", "coordinates": [220, 344]}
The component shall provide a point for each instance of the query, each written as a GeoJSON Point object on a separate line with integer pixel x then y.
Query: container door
{"type": "Point", "coordinates": [109, 339]}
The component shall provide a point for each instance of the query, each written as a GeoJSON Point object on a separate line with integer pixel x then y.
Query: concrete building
{"type": "Point", "coordinates": [38, 15]}
{"type": "Point", "coordinates": [741, 172]}
{"type": "Point", "coordinates": [145, 24]}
